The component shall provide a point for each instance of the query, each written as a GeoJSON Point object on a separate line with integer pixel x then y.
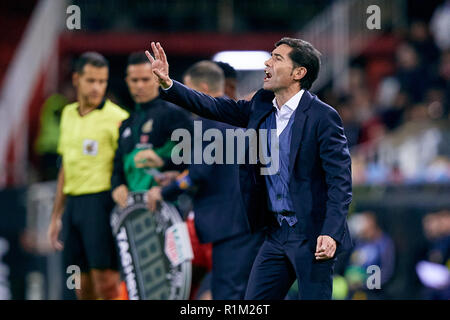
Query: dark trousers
{"type": "Point", "coordinates": [287, 255]}
{"type": "Point", "coordinates": [232, 260]}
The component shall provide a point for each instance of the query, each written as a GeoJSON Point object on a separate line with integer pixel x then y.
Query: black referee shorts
{"type": "Point", "coordinates": [87, 234]}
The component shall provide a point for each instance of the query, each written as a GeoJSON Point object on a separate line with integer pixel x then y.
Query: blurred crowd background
{"type": "Point", "coordinates": [391, 86]}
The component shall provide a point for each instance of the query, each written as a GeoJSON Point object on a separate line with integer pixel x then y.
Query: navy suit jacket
{"type": "Point", "coordinates": [319, 164]}
{"type": "Point", "coordinates": [219, 210]}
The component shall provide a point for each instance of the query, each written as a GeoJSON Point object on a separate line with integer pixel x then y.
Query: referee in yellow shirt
{"type": "Point", "coordinates": [87, 144]}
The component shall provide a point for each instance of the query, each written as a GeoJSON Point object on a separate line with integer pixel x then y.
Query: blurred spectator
{"type": "Point", "coordinates": [351, 126]}
{"type": "Point", "coordinates": [440, 25]}
{"type": "Point", "coordinates": [411, 74]}
{"type": "Point", "coordinates": [431, 272]}
{"type": "Point", "coordinates": [434, 100]}
{"type": "Point", "coordinates": [372, 132]}
{"type": "Point", "coordinates": [444, 79]}
{"type": "Point", "coordinates": [393, 115]}
{"type": "Point", "coordinates": [361, 104]}
{"type": "Point", "coordinates": [387, 92]}
{"type": "Point", "coordinates": [373, 247]}
{"type": "Point", "coordinates": [421, 40]}
{"type": "Point", "coordinates": [437, 231]}
{"type": "Point", "coordinates": [357, 79]}
{"type": "Point", "coordinates": [230, 79]}
{"type": "Point", "coordinates": [47, 140]}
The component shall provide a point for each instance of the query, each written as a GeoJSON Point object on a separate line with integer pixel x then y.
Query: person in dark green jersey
{"type": "Point", "coordinates": [144, 145]}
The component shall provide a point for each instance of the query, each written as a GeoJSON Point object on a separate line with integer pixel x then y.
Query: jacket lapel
{"type": "Point", "coordinates": [263, 110]}
{"type": "Point", "coordinates": [297, 128]}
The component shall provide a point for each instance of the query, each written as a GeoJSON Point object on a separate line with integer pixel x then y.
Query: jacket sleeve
{"type": "Point", "coordinates": [118, 175]}
{"type": "Point", "coordinates": [336, 163]}
{"type": "Point", "coordinates": [191, 179]}
{"type": "Point", "coordinates": [200, 172]}
{"type": "Point", "coordinates": [179, 119]}
{"type": "Point", "coordinates": [220, 109]}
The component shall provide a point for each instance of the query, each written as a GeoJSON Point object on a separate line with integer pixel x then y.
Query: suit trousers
{"type": "Point", "coordinates": [287, 255]}
{"type": "Point", "coordinates": [232, 260]}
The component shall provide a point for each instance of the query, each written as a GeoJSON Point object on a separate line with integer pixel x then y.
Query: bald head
{"type": "Point", "coordinates": [207, 77]}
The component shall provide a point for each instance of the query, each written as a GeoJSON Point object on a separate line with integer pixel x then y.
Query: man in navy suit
{"type": "Point", "coordinates": [304, 205]}
{"type": "Point", "coordinates": [219, 212]}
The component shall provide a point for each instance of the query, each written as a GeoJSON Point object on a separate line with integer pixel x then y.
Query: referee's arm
{"type": "Point", "coordinates": [57, 212]}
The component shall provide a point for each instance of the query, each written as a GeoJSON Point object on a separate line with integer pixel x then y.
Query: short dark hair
{"type": "Point", "coordinates": [303, 54]}
{"type": "Point", "coordinates": [138, 57]}
{"type": "Point", "coordinates": [209, 72]}
{"type": "Point", "coordinates": [228, 70]}
{"type": "Point", "coordinates": [93, 58]}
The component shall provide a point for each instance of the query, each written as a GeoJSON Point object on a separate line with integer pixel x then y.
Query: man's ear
{"type": "Point", "coordinates": [75, 78]}
{"type": "Point", "coordinates": [299, 73]}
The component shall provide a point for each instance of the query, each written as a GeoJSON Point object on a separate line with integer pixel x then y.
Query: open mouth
{"type": "Point", "coordinates": [268, 75]}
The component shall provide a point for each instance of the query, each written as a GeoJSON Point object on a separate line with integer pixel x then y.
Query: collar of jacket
{"type": "Point", "coordinates": [146, 105]}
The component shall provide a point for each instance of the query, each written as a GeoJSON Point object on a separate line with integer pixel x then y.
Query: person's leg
{"type": "Point", "coordinates": [314, 277]}
{"type": "Point", "coordinates": [318, 284]}
{"type": "Point", "coordinates": [232, 262]}
{"type": "Point", "coordinates": [86, 291]}
{"type": "Point", "coordinates": [99, 245]}
{"type": "Point", "coordinates": [106, 283]}
{"type": "Point", "coordinates": [272, 273]}
{"type": "Point", "coordinates": [73, 253]}
{"type": "Point", "coordinates": [202, 262]}
{"type": "Point", "coordinates": [204, 290]}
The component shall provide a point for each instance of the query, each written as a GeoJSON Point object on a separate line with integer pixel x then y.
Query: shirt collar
{"type": "Point", "coordinates": [99, 107]}
{"type": "Point", "coordinates": [292, 103]}
{"type": "Point", "coordinates": [102, 104]}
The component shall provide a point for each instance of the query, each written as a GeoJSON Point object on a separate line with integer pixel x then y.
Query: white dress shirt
{"type": "Point", "coordinates": [283, 114]}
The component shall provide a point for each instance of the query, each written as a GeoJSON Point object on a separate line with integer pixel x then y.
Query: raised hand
{"type": "Point", "coordinates": [160, 66]}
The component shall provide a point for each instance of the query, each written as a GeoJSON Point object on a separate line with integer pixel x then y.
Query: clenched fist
{"type": "Point", "coordinates": [326, 247]}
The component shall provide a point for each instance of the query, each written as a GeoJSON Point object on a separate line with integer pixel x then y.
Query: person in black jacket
{"type": "Point", "coordinates": [218, 208]}
{"type": "Point", "coordinates": [144, 147]}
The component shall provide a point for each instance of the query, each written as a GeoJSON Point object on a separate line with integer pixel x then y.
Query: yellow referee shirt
{"type": "Point", "coordinates": [87, 145]}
